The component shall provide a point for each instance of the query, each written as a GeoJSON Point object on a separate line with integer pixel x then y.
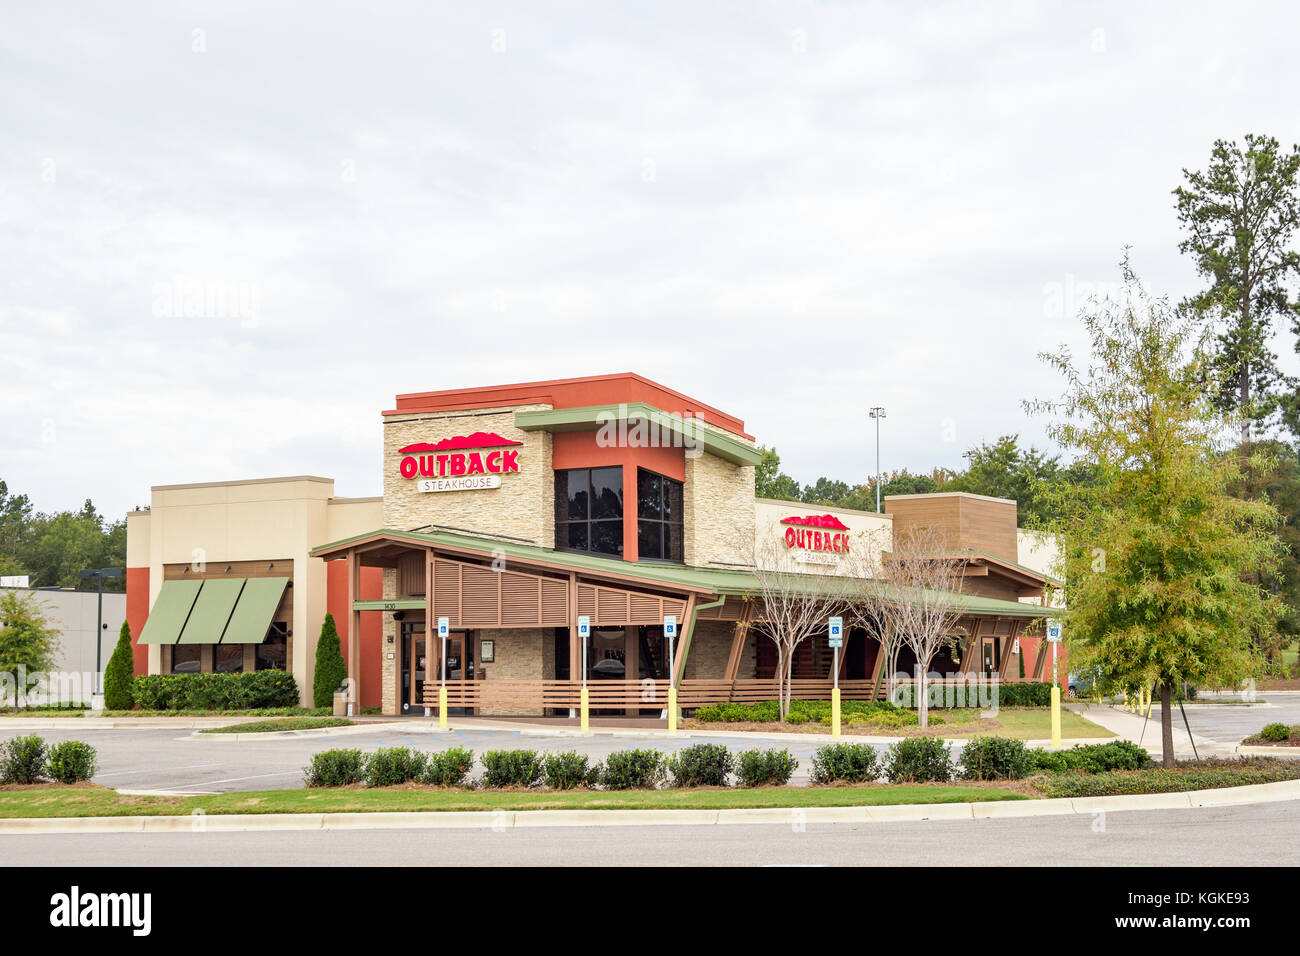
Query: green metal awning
{"type": "Point", "coordinates": [170, 611]}
{"type": "Point", "coordinates": [254, 610]}
{"type": "Point", "coordinates": [212, 611]}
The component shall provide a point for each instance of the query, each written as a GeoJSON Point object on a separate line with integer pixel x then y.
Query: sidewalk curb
{"type": "Point", "coordinates": [520, 819]}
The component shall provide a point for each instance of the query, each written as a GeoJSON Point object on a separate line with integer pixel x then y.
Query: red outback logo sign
{"type": "Point", "coordinates": [817, 533]}
{"type": "Point", "coordinates": [442, 466]}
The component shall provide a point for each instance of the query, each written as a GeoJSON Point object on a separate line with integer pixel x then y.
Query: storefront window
{"type": "Point", "coordinates": [272, 653]}
{"type": "Point", "coordinates": [658, 517]}
{"type": "Point", "coordinates": [589, 510]}
{"type": "Point", "coordinates": [228, 658]}
{"type": "Point", "coordinates": [185, 659]}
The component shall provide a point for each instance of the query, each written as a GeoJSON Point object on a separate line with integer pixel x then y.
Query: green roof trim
{"type": "Point", "coordinates": [253, 613]}
{"type": "Point", "coordinates": [592, 417]}
{"type": "Point", "coordinates": [170, 611]}
{"type": "Point", "coordinates": [211, 612]}
{"type": "Point", "coordinates": [734, 582]}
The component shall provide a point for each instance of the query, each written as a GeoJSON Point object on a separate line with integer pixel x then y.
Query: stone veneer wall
{"type": "Point", "coordinates": [391, 677]}
{"type": "Point", "coordinates": [519, 654]}
{"type": "Point", "coordinates": [523, 507]}
{"type": "Point", "coordinates": [718, 511]}
{"type": "Point", "coordinates": [710, 648]}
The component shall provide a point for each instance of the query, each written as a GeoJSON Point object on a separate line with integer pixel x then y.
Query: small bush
{"type": "Point", "coordinates": [330, 671]}
{"type": "Point", "coordinates": [22, 760]}
{"type": "Point", "coordinates": [995, 758]}
{"type": "Point", "coordinates": [448, 768]}
{"type": "Point", "coordinates": [71, 762]}
{"type": "Point", "coordinates": [1093, 758]}
{"type": "Point", "coordinates": [633, 770]}
{"type": "Point", "coordinates": [119, 673]}
{"type": "Point", "coordinates": [334, 768]}
{"type": "Point", "coordinates": [919, 760]}
{"type": "Point", "coordinates": [1276, 732]}
{"type": "Point", "coordinates": [390, 766]}
{"type": "Point", "coordinates": [754, 768]}
{"type": "Point", "coordinates": [700, 765]}
{"type": "Point", "coordinates": [852, 763]}
{"type": "Point", "coordinates": [566, 771]}
{"type": "Point", "coordinates": [511, 768]}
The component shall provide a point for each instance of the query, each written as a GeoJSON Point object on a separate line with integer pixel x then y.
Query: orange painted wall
{"type": "Point", "coordinates": [580, 450]}
{"type": "Point", "coordinates": [137, 612]}
{"type": "Point", "coordinates": [372, 637]}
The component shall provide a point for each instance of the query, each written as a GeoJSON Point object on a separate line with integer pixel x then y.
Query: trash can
{"type": "Point", "coordinates": [340, 703]}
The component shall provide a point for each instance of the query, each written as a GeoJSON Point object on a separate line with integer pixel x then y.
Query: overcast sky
{"type": "Point", "coordinates": [790, 211]}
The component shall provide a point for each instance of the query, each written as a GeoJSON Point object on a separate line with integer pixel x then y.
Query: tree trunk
{"type": "Point", "coordinates": [1167, 724]}
{"type": "Point", "coordinates": [923, 701]}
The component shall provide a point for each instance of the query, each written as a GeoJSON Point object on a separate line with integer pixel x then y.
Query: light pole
{"type": "Point", "coordinates": [877, 413]}
{"type": "Point", "coordinates": [99, 574]}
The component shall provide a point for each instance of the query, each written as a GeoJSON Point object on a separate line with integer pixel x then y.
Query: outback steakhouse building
{"type": "Point", "coordinates": [512, 510]}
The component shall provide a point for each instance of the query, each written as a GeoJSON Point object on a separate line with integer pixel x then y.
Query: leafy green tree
{"type": "Point", "coordinates": [330, 671]}
{"type": "Point", "coordinates": [770, 481]}
{"type": "Point", "coordinates": [1153, 550]}
{"type": "Point", "coordinates": [28, 642]}
{"type": "Point", "coordinates": [119, 673]}
{"type": "Point", "coordinates": [824, 491]}
{"type": "Point", "coordinates": [1239, 215]}
{"type": "Point", "coordinates": [1278, 481]}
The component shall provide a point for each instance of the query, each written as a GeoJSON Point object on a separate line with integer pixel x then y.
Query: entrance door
{"type": "Point", "coordinates": [415, 668]}
{"type": "Point", "coordinates": [989, 655]}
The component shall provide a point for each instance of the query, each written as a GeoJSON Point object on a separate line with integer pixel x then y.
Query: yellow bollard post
{"type": "Point", "coordinates": [672, 709]}
{"type": "Point", "coordinates": [583, 705]}
{"type": "Point", "coordinates": [1124, 698]}
{"type": "Point", "coordinates": [835, 711]}
{"type": "Point", "coordinates": [442, 706]}
{"type": "Point", "coordinates": [1056, 715]}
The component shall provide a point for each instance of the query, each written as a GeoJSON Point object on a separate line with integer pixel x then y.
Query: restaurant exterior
{"type": "Point", "coordinates": [516, 511]}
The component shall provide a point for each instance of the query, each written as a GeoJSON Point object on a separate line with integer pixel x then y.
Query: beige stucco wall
{"type": "Point", "coordinates": [523, 507]}
{"type": "Point", "coordinates": [869, 535]}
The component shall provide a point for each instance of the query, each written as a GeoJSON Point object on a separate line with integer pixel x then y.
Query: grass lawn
{"type": "Point", "coordinates": [1027, 723]}
{"type": "Point", "coordinates": [280, 723]}
{"type": "Point", "coordinates": [88, 800]}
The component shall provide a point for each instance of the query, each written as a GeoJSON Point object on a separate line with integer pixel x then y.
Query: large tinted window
{"type": "Point", "coordinates": [589, 510]}
{"type": "Point", "coordinates": [659, 517]}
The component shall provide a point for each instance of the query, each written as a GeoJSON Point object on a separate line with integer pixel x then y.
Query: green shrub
{"type": "Point", "coordinates": [118, 673]}
{"type": "Point", "coordinates": [763, 712]}
{"type": "Point", "coordinates": [511, 768]}
{"type": "Point", "coordinates": [334, 768]}
{"type": "Point", "coordinates": [1187, 775]}
{"type": "Point", "coordinates": [22, 759]}
{"type": "Point", "coordinates": [995, 758]}
{"type": "Point", "coordinates": [390, 766]}
{"type": "Point", "coordinates": [1093, 758]}
{"type": "Point", "coordinates": [852, 763]}
{"type": "Point", "coordinates": [245, 691]}
{"type": "Point", "coordinates": [71, 762]}
{"type": "Point", "coordinates": [700, 765]}
{"type": "Point", "coordinates": [448, 768]}
{"type": "Point", "coordinates": [633, 770]}
{"type": "Point", "coordinates": [893, 717]}
{"type": "Point", "coordinates": [1036, 694]}
{"type": "Point", "coordinates": [330, 671]}
{"type": "Point", "coordinates": [567, 771]}
{"type": "Point", "coordinates": [754, 768]}
{"type": "Point", "coordinates": [919, 760]}
{"type": "Point", "coordinates": [1276, 732]}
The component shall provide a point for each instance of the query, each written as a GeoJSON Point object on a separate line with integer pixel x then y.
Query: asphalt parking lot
{"type": "Point", "coordinates": [1229, 720]}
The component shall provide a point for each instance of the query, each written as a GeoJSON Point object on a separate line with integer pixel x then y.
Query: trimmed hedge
{"type": "Point", "coordinates": [512, 768]}
{"type": "Point", "coordinates": [1187, 775]}
{"type": "Point", "coordinates": [700, 765]}
{"type": "Point", "coordinates": [391, 766]}
{"type": "Point", "coordinates": [756, 768]}
{"type": "Point", "coordinates": [850, 763]}
{"type": "Point", "coordinates": [919, 760]}
{"type": "Point", "coordinates": [803, 712]}
{"type": "Point", "coordinates": [1093, 758]}
{"type": "Point", "coordinates": [568, 770]}
{"type": "Point", "coordinates": [995, 758]}
{"type": "Point", "coordinates": [71, 761]}
{"type": "Point", "coordinates": [246, 691]}
{"type": "Point", "coordinates": [334, 768]}
{"type": "Point", "coordinates": [1037, 694]}
{"type": "Point", "coordinates": [22, 759]}
{"type": "Point", "coordinates": [448, 768]}
{"type": "Point", "coordinates": [633, 770]}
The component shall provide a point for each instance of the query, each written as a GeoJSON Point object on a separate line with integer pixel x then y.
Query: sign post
{"type": "Point", "coordinates": [670, 632]}
{"type": "Point", "coordinates": [444, 627]}
{"type": "Point", "coordinates": [1054, 638]}
{"type": "Point", "coordinates": [584, 631]}
{"type": "Point", "coordinates": [836, 639]}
